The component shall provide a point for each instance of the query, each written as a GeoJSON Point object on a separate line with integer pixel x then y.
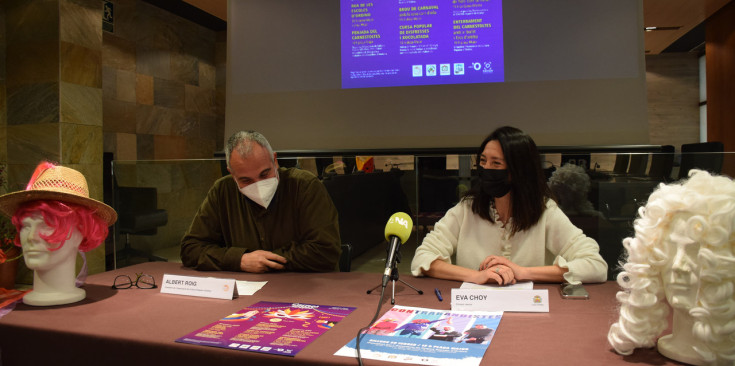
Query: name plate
{"type": "Point", "coordinates": [216, 288]}
{"type": "Point", "coordinates": [535, 301]}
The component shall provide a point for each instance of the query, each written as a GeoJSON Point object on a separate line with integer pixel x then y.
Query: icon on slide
{"type": "Point", "coordinates": [477, 66]}
{"type": "Point", "coordinates": [445, 69]}
{"type": "Point", "coordinates": [431, 70]}
{"type": "Point", "coordinates": [459, 68]}
{"type": "Point", "coordinates": [418, 71]}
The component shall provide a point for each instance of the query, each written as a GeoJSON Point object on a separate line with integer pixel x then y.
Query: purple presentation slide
{"type": "Point", "coordinates": [421, 42]}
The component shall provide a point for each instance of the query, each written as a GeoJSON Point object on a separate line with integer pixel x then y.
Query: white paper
{"type": "Point", "coordinates": [528, 285]}
{"type": "Point", "coordinates": [249, 287]}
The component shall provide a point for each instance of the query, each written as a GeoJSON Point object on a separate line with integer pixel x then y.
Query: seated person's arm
{"type": "Point", "coordinates": [202, 247]}
{"type": "Point", "coordinates": [552, 273]}
{"type": "Point", "coordinates": [433, 256]}
{"type": "Point", "coordinates": [448, 271]}
{"type": "Point", "coordinates": [319, 247]}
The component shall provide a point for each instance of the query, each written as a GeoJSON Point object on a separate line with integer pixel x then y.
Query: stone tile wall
{"type": "Point", "coordinates": [160, 90]}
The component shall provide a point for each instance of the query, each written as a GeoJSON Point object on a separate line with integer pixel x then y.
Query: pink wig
{"type": "Point", "coordinates": [62, 217]}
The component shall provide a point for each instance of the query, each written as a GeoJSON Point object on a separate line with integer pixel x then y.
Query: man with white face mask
{"type": "Point", "coordinates": [263, 218]}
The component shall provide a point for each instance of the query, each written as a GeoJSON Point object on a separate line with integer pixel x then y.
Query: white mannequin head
{"type": "Point", "coordinates": [683, 254]}
{"type": "Point", "coordinates": [53, 264]}
{"type": "Point", "coordinates": [56, 219]}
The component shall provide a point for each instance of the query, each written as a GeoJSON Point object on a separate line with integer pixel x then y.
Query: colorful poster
{"type": "Point", "coordinates": [427, 337]}
{"type": "Point", "coordinates": [270, 327]}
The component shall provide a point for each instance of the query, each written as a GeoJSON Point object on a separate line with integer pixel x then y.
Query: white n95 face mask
{"type": "Point", "coordinates": [262, 191]}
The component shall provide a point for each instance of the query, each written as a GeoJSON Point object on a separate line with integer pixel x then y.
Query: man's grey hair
{"type": "Point", "coordinates": [242, 143]}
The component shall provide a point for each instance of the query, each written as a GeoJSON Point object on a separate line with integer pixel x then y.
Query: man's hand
{"type": "Point", "coordinates": [260, 261]}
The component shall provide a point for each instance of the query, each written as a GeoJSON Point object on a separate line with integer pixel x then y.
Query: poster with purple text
{"type": "Point", "coordinates": [269, 327]}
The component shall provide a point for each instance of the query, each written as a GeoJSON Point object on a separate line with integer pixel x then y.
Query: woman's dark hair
{"type": "Point", "coordinates": [528, 192]}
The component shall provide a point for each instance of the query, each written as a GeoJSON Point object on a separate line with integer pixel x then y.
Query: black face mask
{"type": "Point", "coordinates": [494, 182]}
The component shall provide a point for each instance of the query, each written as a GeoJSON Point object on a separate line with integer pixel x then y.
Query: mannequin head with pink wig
{"type": "Point", "coordinates": [56, 219]}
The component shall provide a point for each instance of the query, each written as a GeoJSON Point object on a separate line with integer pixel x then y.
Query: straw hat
{"type": "Point", "coordinates": [58, 183]}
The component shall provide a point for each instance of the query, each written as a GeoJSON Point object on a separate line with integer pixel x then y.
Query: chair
{"type": "Point", "coordinates": [365, 202]}
{"type": "Point", "coordinates": [662, 163]}
{"type": "Point", "coordinates": [345, 260]}
{"type": "Point", "coordinates": [621, 164]}
{"type": "Point", "coordinates": [138, 214]}
{"type": "Point", "coordinates": [638, 164]}
{"type": "Point", "coordinates": [703, 155]}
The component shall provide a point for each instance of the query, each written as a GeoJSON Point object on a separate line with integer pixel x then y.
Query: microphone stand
{"type": "Point", "coordinates": [393, 279]}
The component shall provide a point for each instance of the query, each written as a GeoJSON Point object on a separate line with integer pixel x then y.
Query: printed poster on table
{"type": "Point", "coordinates": [427, 336]}
{"type": "Point", "coordinates": [270, 327]}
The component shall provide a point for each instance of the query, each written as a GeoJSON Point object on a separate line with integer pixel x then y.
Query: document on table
{"type": "Point", "coordinates": [427, 337]}
{"type": "Point", "coordinates": [277, 328]}
{"type": "Point", "coordinates": [249, 287]}
{"type": "Point", "coordinates": [528, 285]}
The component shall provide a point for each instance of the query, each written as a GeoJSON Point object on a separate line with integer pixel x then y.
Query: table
{"type": "Point", "coordinates": [138, 327]}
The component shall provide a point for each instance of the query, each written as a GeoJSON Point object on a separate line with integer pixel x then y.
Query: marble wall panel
{"type": "Point", "coordinates": [152, 61]}
{"type": "Point", "coordinates": [155, 120]}
{"type": "Point", "coordinates": [168, 93]}
{"type": "Point", "coordinates": [3, 143]}
{"type": "Point", "coordinates": [199, 148]}
{"type": "Point", "coordinates": [80, 23]}
{"type": "Point", "coordinates": [185, 68]}
{"type": "Point", "coordinates": [220, 101]}
{"type": "Point", "coordinates": [145, 147]}
{"type": "Point", "coordinates": [33, 62]}
{"type": "Point", "coordinates": [207, 75]}
{"type": "Point", "coordinates": [80, 65]}
{"type": "Point", "coordinates": [80, 104]}
{"type": "Point", "coordinates": [109, 82]}
{"type": "Point", "coordinates": [126, 86]}
{"type": "Point", "coordinates": [32, 21]}
{"type": "Point", "coordinates": [126, 146]}
{"type": "Point", "coordinates": [32, 143]}
{"type": "Point", "coordinates": [2, 46]}
{"type": "Point", "coordinates": [118, 116]}
{"type": "Point", "coordinates": [157, 28]}
{"type": "Point", "coordinates": [170, 147]}
{"type": "Point", "coordinates": [81, 144]}
{"type": "Point", "coordinates": [3, 106]}
{"type": "Point", "coordinates": [220, 127]}
{"type": "Point", "coordinates": [197, 42]}
{"type": "Point", "coordinates": [144, 89]}
{"type": "Point", "coordinates": [200, 100]}
{"type": "Point", "coordinates": [188, 126]}
{"type": "Point", "coordinates": [33, 103]}
{"type": "Point", "coordinates": [118, 52]}
{"type": "Point", "coordinates": [126, 19]}
{"type": "Point", "coordinates": [207, 126]}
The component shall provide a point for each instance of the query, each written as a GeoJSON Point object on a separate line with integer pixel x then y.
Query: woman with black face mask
{"type": "Point", "coordinates": [507, 228]}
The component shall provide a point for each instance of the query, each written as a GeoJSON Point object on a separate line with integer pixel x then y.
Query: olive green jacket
{"type": "Point", "coordinates": [300, 224]}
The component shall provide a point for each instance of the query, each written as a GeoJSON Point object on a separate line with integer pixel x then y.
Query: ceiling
{"type": "Point", "coordinates": [681, 20]}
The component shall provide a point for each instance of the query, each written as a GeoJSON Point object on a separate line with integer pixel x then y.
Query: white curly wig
{"type": "Point", "coordinates": [710, 202]}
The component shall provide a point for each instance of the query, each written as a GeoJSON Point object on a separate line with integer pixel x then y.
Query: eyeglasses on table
{"type": "Point", "coordinates": [142, 281]}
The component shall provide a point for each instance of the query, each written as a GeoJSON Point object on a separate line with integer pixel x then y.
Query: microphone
{"type": "Point", "coordinates": [397, 232]}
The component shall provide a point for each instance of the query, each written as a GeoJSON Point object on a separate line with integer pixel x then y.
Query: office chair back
{"type": "Point", "coordinates": [704, 155]}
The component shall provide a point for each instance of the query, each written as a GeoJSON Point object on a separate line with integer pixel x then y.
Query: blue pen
{"type": "Point", "coordinates": [438, 294]}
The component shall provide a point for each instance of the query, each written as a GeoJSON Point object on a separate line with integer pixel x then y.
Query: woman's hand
{"type": "Point", "coordinates": [504, 268]}
{"type": "Point", "coordinates": [500, 274]}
